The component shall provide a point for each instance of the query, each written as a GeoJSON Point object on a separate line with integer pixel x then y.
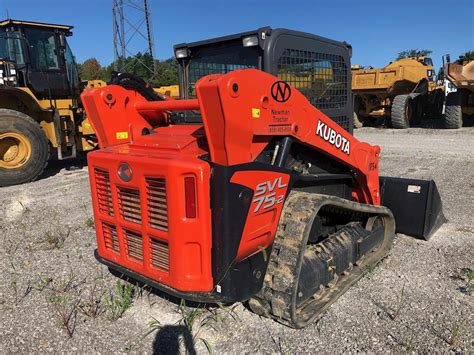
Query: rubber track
{"type": "Point", "coordinates": [277, 298]}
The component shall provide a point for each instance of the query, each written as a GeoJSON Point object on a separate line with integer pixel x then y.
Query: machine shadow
{"type": "Point", "coordinates": [169, 338]}
{"type": "Point", "coordinates": [55, 166]}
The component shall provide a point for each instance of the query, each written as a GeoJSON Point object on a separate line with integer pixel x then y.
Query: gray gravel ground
{"type": "Point", "coordinates": [417, 300]}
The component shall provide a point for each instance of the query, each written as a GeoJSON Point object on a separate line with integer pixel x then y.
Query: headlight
{"type": "Point", "coordinates": [181, 53]}
{"type": "Point", "coordinates": [250, 41]}
{"type": "Point", "coordinates": [429, 73]}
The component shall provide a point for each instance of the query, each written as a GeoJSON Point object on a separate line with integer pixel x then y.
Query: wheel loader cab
{"type": "Point", "coordinates": [42, 59]}
{"type": "Point", "coordinates": [39, 100]}
{"type": "Point", "coordinates": [317, 66]}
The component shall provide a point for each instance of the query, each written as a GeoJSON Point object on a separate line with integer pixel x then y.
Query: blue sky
{"type": "Point", "coordinates": [377, 30]}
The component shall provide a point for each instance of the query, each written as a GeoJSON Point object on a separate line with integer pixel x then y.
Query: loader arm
{"type": "Point", "coordinates": [242, 112]}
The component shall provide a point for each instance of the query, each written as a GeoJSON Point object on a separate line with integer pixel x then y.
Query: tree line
{"type": "Point", "coordinates": [166, 71]}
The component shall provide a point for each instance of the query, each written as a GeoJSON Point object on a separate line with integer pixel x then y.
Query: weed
{"type": "Point", "coordinates": [43, 283]}
{"type": "Point", "coordinates": [400, 304]}
{"type": "Point", "coordinates": [194, 320]}
{"type": "Point", "coordinates": [18, 294]}
{"type": "Point", "coordinates": [66, 310]}
{"type": "Point", "coordinates": [54, 238]}
{"type": "Point", "coordinates": [370, 268]}
{"type": "Point", "coordinates": [470, 282]}
{"type": "Point", "coordinates": [117, 303]}
{"type": "Point", "coordinates": [93, 307]}
{"type": "Point", "coordinates": [65, 297]}
{"type": "Point", "coordinates": [89, 222]}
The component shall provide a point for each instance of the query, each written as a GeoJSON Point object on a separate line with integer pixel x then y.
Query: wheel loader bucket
{"type": "Point", "coordinates": [416, 205]}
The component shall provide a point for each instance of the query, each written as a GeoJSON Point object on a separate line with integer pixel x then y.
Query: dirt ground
{"type": "Point", "coordinates": [55, 297]}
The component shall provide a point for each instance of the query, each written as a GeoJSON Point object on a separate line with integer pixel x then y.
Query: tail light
{"type": "Point", "coordinates": [190, 196]}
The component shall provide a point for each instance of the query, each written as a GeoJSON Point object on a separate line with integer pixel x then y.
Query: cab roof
{"type": "Point", "coordinates": [10, 22]}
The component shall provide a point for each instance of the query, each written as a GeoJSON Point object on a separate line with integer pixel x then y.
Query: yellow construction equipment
{"type": "Point", "coordinates": [404, 91]}
{"type": "Point", "coordinates": [171, 90]}
{"type": "Point", "coordinates": [40, 108]}
{"type": "Point", "coordinates": [460, 93]}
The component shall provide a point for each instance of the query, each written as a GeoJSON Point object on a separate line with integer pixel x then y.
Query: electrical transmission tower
{"type": "Point", "coordinates": [132, 35]}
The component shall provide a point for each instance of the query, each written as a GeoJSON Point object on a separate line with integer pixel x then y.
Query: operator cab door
{"type": "Point", "coordinates": [319, 68]}
{"type": "Point", "coordinates": [46, 75]}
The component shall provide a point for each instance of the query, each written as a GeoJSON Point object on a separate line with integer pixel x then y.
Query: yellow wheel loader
{"type": "Point", "coordinates": [40, 109]}
{"type": "Point", "coordinates": [404, 91]}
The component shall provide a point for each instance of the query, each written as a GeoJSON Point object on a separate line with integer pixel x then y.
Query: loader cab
{"type": "Point", "coordinates": [318, 67]}
{"type": "Point", "coordinates": [37, 56]}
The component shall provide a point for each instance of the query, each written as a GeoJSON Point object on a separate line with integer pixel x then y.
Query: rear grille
{"type": "Point", "coordinates": [104, 192]}
{"type": "Point", "coordinates": [134, 243]}
{"type": "Point", "coordinates": [110, 237]}
{"type": "Point", "coordinates": [157, 204]}
{"type": "Point", "coordinates": [129, 204]}
{"type": "Point", "coordinates": [159, 254]}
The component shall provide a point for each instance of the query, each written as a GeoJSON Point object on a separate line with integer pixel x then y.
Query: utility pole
{"type": "Point", "coordinates": [132, 34]}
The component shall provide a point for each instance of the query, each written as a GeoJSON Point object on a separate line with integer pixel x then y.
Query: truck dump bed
{"type": "Point", "coordinates": [405, 73]}
{"type": "Point", "coordinates": [462, 76]}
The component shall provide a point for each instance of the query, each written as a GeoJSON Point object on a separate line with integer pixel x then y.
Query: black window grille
{"type": "Point", "coordinates": [220, 60]}
{"type": "Point", "coordinates": [321, 77]}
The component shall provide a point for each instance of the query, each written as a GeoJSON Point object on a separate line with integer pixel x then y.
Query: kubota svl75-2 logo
{"type": "Point", "coordinates": [281, 91]}
{"type": "Point", "coordinates": [266, 196]}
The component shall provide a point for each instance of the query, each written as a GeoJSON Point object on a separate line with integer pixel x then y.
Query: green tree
{"type": "Point", "coordinates": [414, 53]}
{"type": "Point", "coordinates": [90, 70]}
{"type": "Point", "coordinates": [466, 57]}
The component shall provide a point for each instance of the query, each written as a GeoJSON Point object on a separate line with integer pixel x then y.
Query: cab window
{"type": "Point", "coordinates": [42, 48]}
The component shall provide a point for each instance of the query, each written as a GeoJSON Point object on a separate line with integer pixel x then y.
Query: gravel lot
{"type": "Point", "coordinates": [55, 297]}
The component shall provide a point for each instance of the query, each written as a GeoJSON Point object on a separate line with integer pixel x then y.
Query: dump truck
{"type": "Point", "coordinates": [245, 190]}
{"type": "Point", "coordinates": [404, 91]}
{"type": "Point", "coordinates": [40, 108]}
{"type": "Point", "coordinates": [459, 105]}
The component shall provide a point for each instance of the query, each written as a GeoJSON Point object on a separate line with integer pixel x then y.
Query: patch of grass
{"type": "Point", "coordinates": [370, 268]}
{"type": "Point", "coordinates": [43, 283]}
{"type": "Point", "coordinates": [54, 238]}
{"type": "Point", "coordinates": [116, 303]}
{"type": "Point", "coordinates": [470, 282]}
{"type": "Point", "coordinates": [89, 222]}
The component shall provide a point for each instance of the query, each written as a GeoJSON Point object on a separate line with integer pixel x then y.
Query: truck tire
{"type": "Point", "coordinates": [24, 148]}
{"type": "Point", "coordinates": [402, 111]}
{"type": "Point", "coordinates": [453, 112]}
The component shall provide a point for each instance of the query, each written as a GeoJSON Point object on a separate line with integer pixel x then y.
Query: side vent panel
{"type": "Point", "coordinates": [129, 204]}
{"type": "Point", "coordinates": [110, 237]}
{"type": "Point", "coordinates": [134, 243]}
{"type": "Point", "coordinates": [157, 208]}
{"type": "Point", "coordinates": [159, 254]}
{"type": "Point", "coordinates": [104, 192]}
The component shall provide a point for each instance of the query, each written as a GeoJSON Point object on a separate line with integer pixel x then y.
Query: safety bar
{"type": "Point", "coordinates": [168, 105]}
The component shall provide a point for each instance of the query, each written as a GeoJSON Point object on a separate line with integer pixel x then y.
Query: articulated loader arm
{"type": "Point", "coordinates": [243, 110]}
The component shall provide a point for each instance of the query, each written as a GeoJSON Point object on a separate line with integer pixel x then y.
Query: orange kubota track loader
{"type": "Point", "coordinates": [266, 200]}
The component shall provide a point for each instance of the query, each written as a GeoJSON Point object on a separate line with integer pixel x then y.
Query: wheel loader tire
{"type": "Point", "coordinates": [453, 113]}
{"type": "Point", "coordinates": [402, 112]}
{"type": "Point", "coordinates": [24, 148]}
{"type": "Point", "coordinates": [357, 122]}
